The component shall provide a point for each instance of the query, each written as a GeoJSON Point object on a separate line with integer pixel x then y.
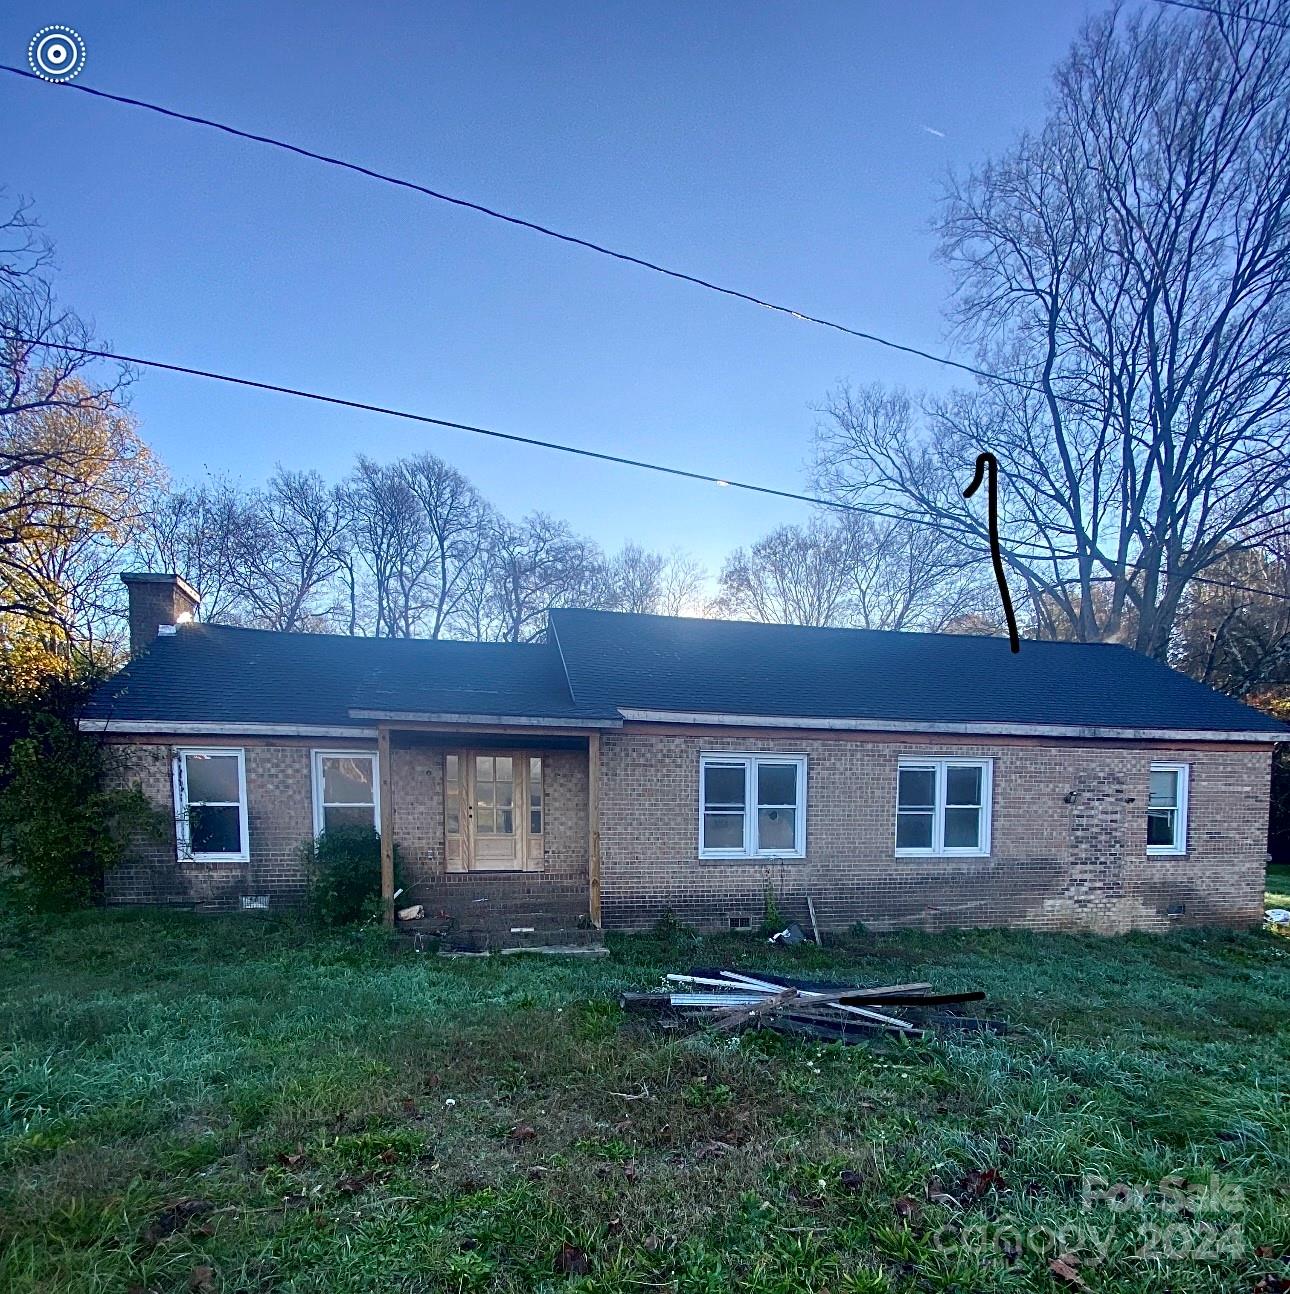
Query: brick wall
{"type": "Point", "coordinates": [560, 885]}
{"type": "Point", "coordinates": [280, 823]}
{"type": "Point", "coordinates": [1052, 865]}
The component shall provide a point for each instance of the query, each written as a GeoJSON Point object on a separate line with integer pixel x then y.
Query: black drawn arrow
{"type": "Point", "coordinates": [984, 461]}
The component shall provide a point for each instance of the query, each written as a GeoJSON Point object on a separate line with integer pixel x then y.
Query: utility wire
{"type": "Point", "coordinates": [545, 230]}
{"type": "Point", "coordinates": [1241, 588]}
{"type": "Point", "coordinates": [815, 500]}
{"type": "Point", "coordinates": [1194, 579]}
{"type": "Point", "coordinates": [1227, 13]}
{"type": "Point", "coordinates": [407, 415]}
{"type": "Point", "coordinates": [643, 464]}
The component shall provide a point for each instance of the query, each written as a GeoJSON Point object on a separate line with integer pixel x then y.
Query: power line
{"type": "Point", "coordinates": [859, 509]}
{"type": "Point", "coordinates": [598, 455]}
{"type": "Point", "coordinates": [537, 443]}
{"type": "Point", "coordinates": [1196, 579]}
{"type": "Point", "coordinates": [407, 415]}
{"type": "Point", "coordinates": [544, 230]}
{"type": "Point", "coordinates": [1241, 588]}
{"type": "Point", "coordinates": [1226, 13]}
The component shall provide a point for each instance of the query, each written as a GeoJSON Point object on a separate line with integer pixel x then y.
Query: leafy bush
{"type": "Point", "coordinates": [345, 875]}
{"type": "Point", "coordinates": [61, 826]}
{"type": "Point", "coordinates": [670, 929]}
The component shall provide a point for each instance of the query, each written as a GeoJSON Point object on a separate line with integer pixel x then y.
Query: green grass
{"type": "Point", "coordinates": [1278, 887]}
{"type": "Point", "coordinates": [240, 1105]}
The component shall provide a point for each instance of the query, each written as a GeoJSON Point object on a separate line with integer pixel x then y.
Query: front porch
{"type": "Point", "coordinates": [493, 830]}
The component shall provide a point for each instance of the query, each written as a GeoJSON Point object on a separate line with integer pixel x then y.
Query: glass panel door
{"type": "Point", "coordinates": [494, 811]}
{"type": "Point", "coordinates": [496, 839]}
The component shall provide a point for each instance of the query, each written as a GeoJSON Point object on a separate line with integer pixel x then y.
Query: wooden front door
{"type": "Point", "coordinates": [493, 810]}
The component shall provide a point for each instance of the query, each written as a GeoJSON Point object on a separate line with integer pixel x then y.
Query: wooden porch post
{"type": "Point", "coordinates": [593, 825]}
{"type": "Point", "coordinates": [386, 775]}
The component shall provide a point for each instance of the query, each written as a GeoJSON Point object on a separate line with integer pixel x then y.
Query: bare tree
{"type": "Point", "coordinates": [854, 570]}
{"type": "Point", "coordinates": [415, 533]}
{"type": "Point", "coordinates": [33, 374]}
{"type": "Point", "coordinates": [197, 531]}
{"type": "Point", "coordinates": [289, 554]}
{"type": "Point", "coordinates": [635, 579]}
{"type": "Point", "coordinates": [650, 583]}
{"type": "Point", "coordinates": [384, 524]}
{"type": "Point", "coordinates": [795, 575]}
{"type": "Point", "coordinates": [683, 587]}
{"type": "Point", "coordinates": [906, 576]}
{"type": "Point", "coordinates": [1128, 268]}
{"type": "Point", "coordinates": [526, 570]}
{"type": "Point", "coordinates": [457, 523]}
{"type": "Point", "coordinates": [1234, 633]}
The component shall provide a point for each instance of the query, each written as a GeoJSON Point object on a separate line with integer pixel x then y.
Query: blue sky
{"type": "Point", "coordinates": [786, 149]}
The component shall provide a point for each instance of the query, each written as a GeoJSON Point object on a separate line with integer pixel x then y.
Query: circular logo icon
{"type": "Point", "coordinates": [56, 53]}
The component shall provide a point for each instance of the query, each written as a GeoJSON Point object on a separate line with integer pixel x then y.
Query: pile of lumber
{"type": "Point", "coordinates": [732, 1000]}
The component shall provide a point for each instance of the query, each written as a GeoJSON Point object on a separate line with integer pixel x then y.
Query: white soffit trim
{"type": "Point", "coordinates": [971, 729]}
{"type": "Point", "coordinates": [485, 720]}
{"type": "Point", "coordinates": [223, 729]}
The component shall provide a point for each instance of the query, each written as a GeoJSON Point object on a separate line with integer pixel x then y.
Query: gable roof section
{"type": "Point", "coordinates": [218, 675]}
{"type": "Point", "coordinates": [659, 666]}
{"type": "Point", "coordinates": [603, 667]}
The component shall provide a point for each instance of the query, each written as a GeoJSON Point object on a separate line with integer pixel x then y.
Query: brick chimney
{"type": "Point", "coordinates": [157, 604]}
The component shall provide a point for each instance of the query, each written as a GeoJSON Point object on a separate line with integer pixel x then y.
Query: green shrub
{"type": "Point", "coordinates": [669, 928]}
{"type": "Point", "coordinates": [772, 920]}
{"type": "Point", "coordinates": [345, 875]}
{"type": "Point", "coordinates": [61, 828]}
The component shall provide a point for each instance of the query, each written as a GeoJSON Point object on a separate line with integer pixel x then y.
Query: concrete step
{"type": "Point", "coordinates": [500, 923]}
{"type": "Point", "coordinates": [529, 903]}
{"type": "Point", "coordinates": [494, 940]}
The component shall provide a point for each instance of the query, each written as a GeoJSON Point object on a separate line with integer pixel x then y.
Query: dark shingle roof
{"type": "Point", "coordinates": [728, 667]}
{"type": "Point", "coordinates": [600, 661]}
{"type": "Point", "coordinates": [220, 674]}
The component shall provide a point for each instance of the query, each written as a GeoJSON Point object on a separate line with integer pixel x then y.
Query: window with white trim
{"type": "Point", "coordinates": [345, 790]}
{"type": "Point", "coordinates": [752, 806]}
{"type": "Point", "coordinates": [210, 805]}
{"type": "Point", "coordinates": [943, 807]}
{"type": "Point", "coordinates": [1167, 809]}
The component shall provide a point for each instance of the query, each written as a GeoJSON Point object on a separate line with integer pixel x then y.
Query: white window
{"type": "Point", "coordinates": [752, 806]}
{"type": "Point", "coordinates": [210, 805]}
{"type": "Point", "coordinates": [943, 807]}
{"type": "Point", "coordinates": [345, 790]}
{"type": "Point", "coordinates": [1167, 809]}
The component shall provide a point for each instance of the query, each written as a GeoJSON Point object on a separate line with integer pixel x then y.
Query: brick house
{"type": "Point", "coordinates": [632, 765]}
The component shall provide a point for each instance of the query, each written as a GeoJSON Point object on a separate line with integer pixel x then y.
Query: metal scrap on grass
{"type": "Point", "coordinates": [729, 1001]}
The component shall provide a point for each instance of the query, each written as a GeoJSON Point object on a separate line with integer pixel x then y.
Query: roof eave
{"type": "Point", "coordinates": [205, 728]}
{"type": "Point", "coordinates": [1084, 731]}
{"type": "Point", "coordinates": [487, 720]}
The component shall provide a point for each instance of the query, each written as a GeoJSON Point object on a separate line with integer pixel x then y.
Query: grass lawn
{"type": "Point", "coordinates": [236, 1104]}
{"type": "Point", "coordinates": [1278, 887]}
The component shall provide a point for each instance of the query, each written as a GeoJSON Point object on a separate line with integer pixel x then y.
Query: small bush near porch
{"type": "Point", "coordinates": [241, 1105]}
